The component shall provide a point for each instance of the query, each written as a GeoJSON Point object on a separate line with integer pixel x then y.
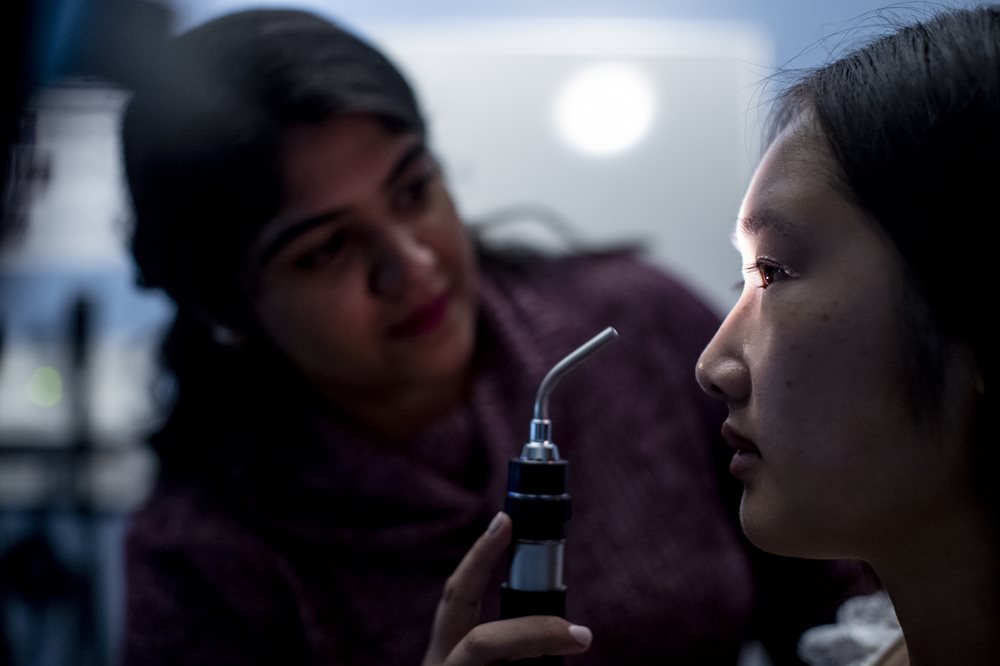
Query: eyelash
{"type": "Point", "coordinates": [761, 265]}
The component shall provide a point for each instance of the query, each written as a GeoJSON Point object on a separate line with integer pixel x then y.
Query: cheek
{"type": "Point", "coordinates": [831, 394]}
{"type": "Point", "coordinates": [317, 318]}
{"type": "Point", "coordinates": [825, 348]}
{"type": "Point", "coordinates": [455, 248]}
{"type": "Point", "coordinates": [789, 354]}
{"type": "Point", "coordinates": [466, 261]}
{"type": "Point", "coordinates": [828, 383]}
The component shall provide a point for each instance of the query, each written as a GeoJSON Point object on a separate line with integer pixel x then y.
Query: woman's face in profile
{"type": "Point", "coordinates": [366, 277]}
{"type": "Point", "coordinates": [812, 363]}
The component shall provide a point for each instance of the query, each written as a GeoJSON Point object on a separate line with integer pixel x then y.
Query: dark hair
{"type": "Point", "coordinates": [913, 121]}
{"type": "Point", "coordinates": [201, 142]}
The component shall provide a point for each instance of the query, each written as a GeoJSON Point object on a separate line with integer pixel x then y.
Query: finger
{"type": "Point", "coordinates": [521, 638]}
{"type": "Point", "coordinates": [458, 611]}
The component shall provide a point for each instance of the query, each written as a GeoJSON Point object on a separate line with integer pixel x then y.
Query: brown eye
{"type": "Point", "coordinates": [768, 274]}
{"type": "Point", "coordinates": [768, 271]}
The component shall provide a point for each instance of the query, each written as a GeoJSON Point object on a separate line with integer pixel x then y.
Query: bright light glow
{"type": "Point", "coordinates": [44, 387]}
{"type": "Point", "coordinates": [605, 109]}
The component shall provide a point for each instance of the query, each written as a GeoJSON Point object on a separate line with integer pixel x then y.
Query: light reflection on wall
{"type": "Point", "coordinates": [605, 108]}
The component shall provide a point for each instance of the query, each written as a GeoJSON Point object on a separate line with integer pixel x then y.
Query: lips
{"type": "Point", "coordinates": [747, 455]}
{"type": "Point", "coordinates": [422, 319]}
{"type": "Point", "coordinates": [738, 442]}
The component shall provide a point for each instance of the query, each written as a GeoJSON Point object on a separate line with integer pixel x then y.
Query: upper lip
{"type": "Point", "coordinates": [414, 316]}
{"type": "Point", "coordinates": [736, 440]}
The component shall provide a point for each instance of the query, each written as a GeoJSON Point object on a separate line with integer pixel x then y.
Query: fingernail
{"type": "Point", "coordinates": [495, 523]}
{"type": "Point", "coordinates": [581, 635]}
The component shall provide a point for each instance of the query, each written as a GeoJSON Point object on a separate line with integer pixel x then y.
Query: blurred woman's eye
{"type": "Point", "coordinates": [413, 194]}
{"type": "Point", "coordinates": [767, 270]}
{"type": "Point", "coordinates": [323, 252]}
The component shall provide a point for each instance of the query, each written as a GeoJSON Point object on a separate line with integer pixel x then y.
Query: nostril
{"type": "Point", "coordinates": [716, 389]}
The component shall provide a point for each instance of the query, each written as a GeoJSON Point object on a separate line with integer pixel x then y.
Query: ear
{"type": "Point", "coordinates": [226, 329]}
{"type": "Point", "coordinates": [226, 336]}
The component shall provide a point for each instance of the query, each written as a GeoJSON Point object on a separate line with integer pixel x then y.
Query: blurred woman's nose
{"type": "Point", "coordinates": [400, 259]}
{"type": "Point", "coordinates": [721, 371]}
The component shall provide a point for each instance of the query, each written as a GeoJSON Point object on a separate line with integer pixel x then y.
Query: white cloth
{"type": "Point", "coordinates": [866, 626]}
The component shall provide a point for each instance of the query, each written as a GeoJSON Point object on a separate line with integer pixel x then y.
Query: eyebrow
{"type": "Point", "coordinates": [271, 247]}
{"type": "Point", "coordinates": [766, 220]}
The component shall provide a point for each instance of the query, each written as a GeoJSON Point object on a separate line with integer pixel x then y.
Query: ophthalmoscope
{"type": "Point", "coordinates": [538, 503]}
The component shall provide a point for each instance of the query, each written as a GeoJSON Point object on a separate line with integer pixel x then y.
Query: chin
{"type": "Point", "coordinates": [768, 540]}
{"type": "Point", "coordinates": [452, 357]}
{"type": "Point", "coordinates": [769, 528]}
{"type": "Point", "coordinates": [774, 530]}
{"type": "Point", "coordinates": [757, 529]}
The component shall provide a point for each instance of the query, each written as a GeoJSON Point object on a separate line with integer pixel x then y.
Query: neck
{"type": "Point", "coordinates": [944, 585]}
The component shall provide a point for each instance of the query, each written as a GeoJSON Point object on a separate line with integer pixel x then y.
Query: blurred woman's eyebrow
{"type": "Point", "coordinates": [270, 248]}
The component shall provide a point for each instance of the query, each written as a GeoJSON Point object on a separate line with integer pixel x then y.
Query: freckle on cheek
{"type": "Point", "coordinates": [788, 383]}
{"type": "Point", "coordinates": [825, 316]}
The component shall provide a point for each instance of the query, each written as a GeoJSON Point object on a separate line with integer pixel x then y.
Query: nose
{"type": "Point", "coordinates": [400, 259]}
{"type": "Point", "coordinates": [722, 371]}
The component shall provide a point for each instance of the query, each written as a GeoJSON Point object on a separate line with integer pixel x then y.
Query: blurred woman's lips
{"type": "Point", "coordinates": [747, 454]}
{"type": "Point", "coordinates": [423, 319]}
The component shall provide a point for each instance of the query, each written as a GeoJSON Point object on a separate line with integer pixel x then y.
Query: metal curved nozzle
{"type": "Point", "coordinates": [541, 427]}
